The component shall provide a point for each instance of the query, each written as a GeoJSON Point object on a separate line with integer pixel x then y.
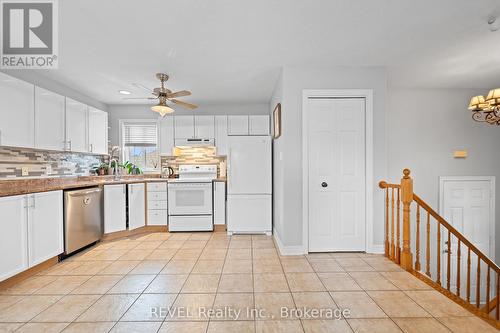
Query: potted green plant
{"type": "Point", "coordinates": [101, 169]}
{"type": "Point", "coordinates": [131, 168]}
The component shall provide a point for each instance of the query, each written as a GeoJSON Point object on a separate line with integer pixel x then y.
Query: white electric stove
{"type": "Point", "coordinates": [190, 198]}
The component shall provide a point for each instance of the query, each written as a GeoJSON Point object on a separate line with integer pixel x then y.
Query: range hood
{"type": "Point", "coordinates": [194, 142]}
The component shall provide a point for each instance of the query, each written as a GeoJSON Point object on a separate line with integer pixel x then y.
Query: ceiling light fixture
{"type": "Point", "coordinates": [162, 108]}
{"type": "Point", "coordinates": [486, 110]}
{"type": "Point", "coordinates": [494, 24]}
{"type": "Point", "coordinates": [124, 92]}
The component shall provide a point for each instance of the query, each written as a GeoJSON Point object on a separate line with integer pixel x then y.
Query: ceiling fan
{"type": "Point", "coordinates": [164, 95]}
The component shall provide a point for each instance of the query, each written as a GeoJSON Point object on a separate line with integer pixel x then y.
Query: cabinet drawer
{"type": "Point", "coordinates": [155, 196]}
{"type": "Point", "coordinates": [157, 187]}
{"type": "Point", "coordinates": [159, 204]}
{"type": "Point", "coordinates": [157, 217]}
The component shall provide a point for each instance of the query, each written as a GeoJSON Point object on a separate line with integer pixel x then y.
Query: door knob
{"type": "Point", "coordinates": [324, 184]}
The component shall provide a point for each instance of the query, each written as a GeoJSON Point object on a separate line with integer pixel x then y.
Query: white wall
{"type": "Point", "coordinates": [295, 80]}
{"type": "Point", "coordinates": [117, 112]}
{"type": "Point", "coordinates": [425, 126]}
{"type": "Point", "coordinates": [278, 165]}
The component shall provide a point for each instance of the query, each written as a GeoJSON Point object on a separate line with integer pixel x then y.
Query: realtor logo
{"type": "Point", "coordinates": [29, 34]}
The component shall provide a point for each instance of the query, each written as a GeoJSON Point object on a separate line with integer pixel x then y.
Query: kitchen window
{"type": "Point", "coordinates": [140, 144]}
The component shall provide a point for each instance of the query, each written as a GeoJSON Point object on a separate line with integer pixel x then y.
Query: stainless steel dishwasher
{"type": "Point", "coordinates": [83, 218]}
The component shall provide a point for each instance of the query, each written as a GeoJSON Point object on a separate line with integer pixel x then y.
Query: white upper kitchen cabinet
{"type": "Point", "coordinates": [221, 134]}
{"type": "Point", "coordinates": [258, 125]}
{"type": "Point", "coordinates": [115, 208]}
{"type": "Point", "coordinates": [237, 125]}
{"type": "Point", "coordinates": [45, 226]}
{"type": "Point", "coordinates": [184, 127]}
{"type": "Point", "coordinates": [98, 131]}
{"type": "Point", "coordinates": [204, 127]}
{"type": "Point", "coordinates": [17, 112]}
{"type": "Point", "coordinates": [49, 120]}
{"type": "Point", "coordinates": [136, 206]}
{"type": "Point", "coordinates": [166, 125]}
{"type": "Point", "coordinates": [76, 126]}
{"type": "Point", "coordinates": [13, 238]}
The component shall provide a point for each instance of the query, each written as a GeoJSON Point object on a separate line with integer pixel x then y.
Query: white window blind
{"type": "Point", "coordinates": [140, 135]}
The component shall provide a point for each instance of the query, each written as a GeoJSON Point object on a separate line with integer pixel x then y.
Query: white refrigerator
{"type": "Point", "coordinates": [249, 184]}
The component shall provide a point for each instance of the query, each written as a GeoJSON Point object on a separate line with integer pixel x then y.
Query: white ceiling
{"type": "Point", "coordinates": [232, 50]}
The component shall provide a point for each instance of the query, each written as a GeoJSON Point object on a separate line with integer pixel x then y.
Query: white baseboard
{"type": "Point", "coordinates": [376, 249]}
{"type": "Point", "coordinates": [287, 250]}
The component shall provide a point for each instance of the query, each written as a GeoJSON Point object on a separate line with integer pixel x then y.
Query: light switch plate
{"type": "Point", "coordinates": [25, 171]}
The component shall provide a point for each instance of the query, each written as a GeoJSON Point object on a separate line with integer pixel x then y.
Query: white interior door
{"type": "Point", "coordinates": [467, 204]}
{"type": "Point", "coordinates": [336, 136]}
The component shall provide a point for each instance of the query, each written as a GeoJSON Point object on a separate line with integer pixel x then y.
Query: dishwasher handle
{"type": "Point", "coordinates": [83, 193]}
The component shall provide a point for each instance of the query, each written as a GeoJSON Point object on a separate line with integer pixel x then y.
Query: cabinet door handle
{"type": "Point", "coordinates": [91, 148]}
{"type": "Point", "coordinates": [69, 142]}
{"type": "Point", "coordinates": [34, 202]}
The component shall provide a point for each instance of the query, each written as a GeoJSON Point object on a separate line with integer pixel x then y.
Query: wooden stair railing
{"type": "Point", "coordinates": [398, 241]}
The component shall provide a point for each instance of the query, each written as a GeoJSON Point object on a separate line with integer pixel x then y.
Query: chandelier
{"type": "Point", "coordinates": [486, 110]}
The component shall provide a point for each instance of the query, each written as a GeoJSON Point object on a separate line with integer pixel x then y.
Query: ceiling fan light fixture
{"type": "Point", "coordinates": [477, 103]}
{"type": "Point", "coordinates": [162, 109]}
{"type": "Point", "coordinates": [493, 98]}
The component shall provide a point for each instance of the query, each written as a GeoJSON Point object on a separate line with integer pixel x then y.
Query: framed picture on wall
{"type": "Point", "coordinates": [277, 121]}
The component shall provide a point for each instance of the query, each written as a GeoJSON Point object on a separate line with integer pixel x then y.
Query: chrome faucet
{"type": "Point", "coordinates": [115, 167]}
{"type": "Point", "coordinates": [114, 149]}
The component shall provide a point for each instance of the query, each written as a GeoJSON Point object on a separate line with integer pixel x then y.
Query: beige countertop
{"type": "Point", "coordinates": [34, 185]}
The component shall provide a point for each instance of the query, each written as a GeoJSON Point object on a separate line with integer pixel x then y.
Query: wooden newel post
{"type": "Point", "coordinates": [406, 198]}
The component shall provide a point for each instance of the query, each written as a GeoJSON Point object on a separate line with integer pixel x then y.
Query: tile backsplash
{"type": "Point", "coordinates": [194, 155]}
{"type": "Point", "coordinates": [41, 163]}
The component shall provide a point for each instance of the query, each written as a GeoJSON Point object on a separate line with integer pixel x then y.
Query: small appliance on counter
{"type": "Point", "coordinates": [167, 172]}
{"type": "Point", "coordinates": [190, 198]}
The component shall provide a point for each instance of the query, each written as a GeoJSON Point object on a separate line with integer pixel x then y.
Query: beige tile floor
{"type": "Point", "coordinates": [114, 286]}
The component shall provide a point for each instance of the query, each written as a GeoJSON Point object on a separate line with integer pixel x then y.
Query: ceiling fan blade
{"type": "Point", "coordinates": [184, 104]}
{"type": "Point", "coordinates": [179, 94]}
{"type": "Point", "coordinates": [139, 98]}
{"type": "Point", "coordinates": [138, 85]}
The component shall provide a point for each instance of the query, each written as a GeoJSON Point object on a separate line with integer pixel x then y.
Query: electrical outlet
{"type": "Point", "coordinates": [48, 169]}
{"type": "Point", "coordinates": [25, 171]}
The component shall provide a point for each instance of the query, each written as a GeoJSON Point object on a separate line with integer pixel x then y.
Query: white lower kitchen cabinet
{"type": "Point", "coordinates": [157, 203]}
{"type": "Point", "coordinates": [32, 231]}
{"type": "Point", "coordinates": [45, 226]}
{"type": "Point", "coordinates": [219, 203]}
{"type": "Point", "coordinates": [14, 236]}
{"type": "Point", "coordinates": [136, 206]}
{"type": "Point", "coordinates": [115, 208]}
